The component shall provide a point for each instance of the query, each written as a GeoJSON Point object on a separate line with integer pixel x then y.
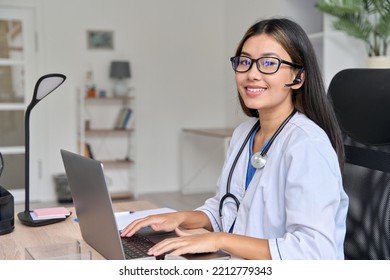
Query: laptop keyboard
{"type": "Point", "coordinates": [136, 246]}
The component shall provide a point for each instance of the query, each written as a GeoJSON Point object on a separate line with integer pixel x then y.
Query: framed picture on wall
{"type": "Point", "coordinates": [103, 40]}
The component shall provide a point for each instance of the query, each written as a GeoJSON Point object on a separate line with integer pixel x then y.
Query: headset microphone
{"type": "Point", "coordinates": [297, 79]}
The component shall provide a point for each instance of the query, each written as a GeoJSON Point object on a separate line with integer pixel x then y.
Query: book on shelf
{"type": "Point", "coordinates": [120, 117]}
{"type": "Point", "coordinates": [127, 123]}
{"type": "Point", "coordinates": [124, 119]}
{"type": "Point", "coordinates": [88, 150]}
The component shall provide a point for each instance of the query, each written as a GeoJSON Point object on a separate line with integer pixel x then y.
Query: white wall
{"type": "Point", "coordinates": [177, 64]}
{"type": "Point", "coordinates": [240, 15]}
{"type": "Point", "coordinates": [179, 58]}
{"type": "Point", "coordinates": [179, 52]}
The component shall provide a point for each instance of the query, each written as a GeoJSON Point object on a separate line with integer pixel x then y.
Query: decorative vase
{"type": "Point", "coordinates": [378, 62]}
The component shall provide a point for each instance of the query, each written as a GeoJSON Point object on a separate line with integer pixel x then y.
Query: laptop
{"type": "Point", "coordinates": [96, 217]}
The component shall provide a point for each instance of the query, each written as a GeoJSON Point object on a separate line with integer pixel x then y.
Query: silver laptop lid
{"type": "Point", "coordinates": [93, 204]}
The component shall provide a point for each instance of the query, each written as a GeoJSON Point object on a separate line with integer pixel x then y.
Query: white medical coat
{"type": "Point", "coordinates": [296, 201]}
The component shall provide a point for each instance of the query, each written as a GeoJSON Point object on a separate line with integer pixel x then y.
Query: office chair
{"type": "Point", "coordinates": [361, 100]}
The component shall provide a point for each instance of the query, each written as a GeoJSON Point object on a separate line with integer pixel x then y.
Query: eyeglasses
{"type": "Point", "coordinates": [266, 64]}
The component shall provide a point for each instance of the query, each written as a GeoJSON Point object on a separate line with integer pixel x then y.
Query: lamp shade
{"type": "Point", "coordinates": [120, 69]}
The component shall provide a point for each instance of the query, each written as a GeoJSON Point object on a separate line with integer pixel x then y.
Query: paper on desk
{"type": "Point", "coordinates": [125, 218]}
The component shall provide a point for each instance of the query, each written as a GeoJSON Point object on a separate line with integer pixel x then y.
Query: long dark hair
{"type": "Point", "coordinates": [310, 98]}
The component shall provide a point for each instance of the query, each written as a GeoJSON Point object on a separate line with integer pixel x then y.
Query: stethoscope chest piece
{"type": "Point", "coordinates": [258, 161]}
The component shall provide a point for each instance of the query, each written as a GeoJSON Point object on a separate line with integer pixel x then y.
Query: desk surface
{"type": "Point", "coordinates": [12, 245]}
{"type": "Point", "coordinates": [215, 132]}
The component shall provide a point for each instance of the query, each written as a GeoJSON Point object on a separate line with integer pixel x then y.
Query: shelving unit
{"type": "Point", "coordinates": [335, 51]}
{"type": "Point", "coordinates": [99, 138]}
{"type": "Point", "coordinates": [312, 21]}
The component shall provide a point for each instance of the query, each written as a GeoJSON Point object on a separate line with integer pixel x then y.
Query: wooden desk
{"type": "Point", "coordinates": [12, 245]}
{"type": "Point", "coordinates": [202, 154]}
{"type": "Point", "coordinates": [224, 132]}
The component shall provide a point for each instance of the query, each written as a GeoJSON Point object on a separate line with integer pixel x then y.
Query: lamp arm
{"type": "Point", "coordinates": [45, 85]}
{"type": "Point", "coordinates": [27, 158]}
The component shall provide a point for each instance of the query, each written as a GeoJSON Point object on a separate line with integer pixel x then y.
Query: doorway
{"type": "Point", "coordinates": [17, 54]}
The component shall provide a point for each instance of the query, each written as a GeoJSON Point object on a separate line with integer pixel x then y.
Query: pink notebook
{"type": "Point", "coordinates": [53, 212]}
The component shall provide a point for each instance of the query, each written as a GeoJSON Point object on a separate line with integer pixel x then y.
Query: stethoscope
{"type": "Point", "coordinates": [258, 161]}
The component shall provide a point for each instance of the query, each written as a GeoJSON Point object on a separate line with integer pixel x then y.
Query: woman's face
{"type": "Point", "coordinates": [266, 92]}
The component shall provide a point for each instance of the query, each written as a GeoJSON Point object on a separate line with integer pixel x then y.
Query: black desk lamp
{"type": "Point", "coordinates": [45, 85]}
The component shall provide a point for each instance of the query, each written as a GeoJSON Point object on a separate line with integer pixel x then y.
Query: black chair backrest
{"type": "Point", "coordinates": [361, 100]}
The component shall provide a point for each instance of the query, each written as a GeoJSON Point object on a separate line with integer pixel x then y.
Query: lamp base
{"type": "Point", "coordinates": [26, 219]}
{"type": "Point", "coordinates": [120, 88]}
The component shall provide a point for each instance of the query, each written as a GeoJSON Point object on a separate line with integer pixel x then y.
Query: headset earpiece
{"type": "Point", "coordinates": [297, 79]}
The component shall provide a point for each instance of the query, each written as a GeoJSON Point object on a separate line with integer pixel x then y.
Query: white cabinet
{"type": "Point", "coordinates": [334, 49]}
{"type": "Point", "coordinates": [107, 135]}
{"type": "Point", "coordinates": [311, 20]}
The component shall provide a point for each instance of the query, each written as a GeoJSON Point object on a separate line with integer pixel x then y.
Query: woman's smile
{"type": "Point", "coordinates": [254, 91]}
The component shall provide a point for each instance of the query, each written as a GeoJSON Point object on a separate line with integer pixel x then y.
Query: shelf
{"type": "Point", "coordinates": [116, 161]}
{"type": "Point", "coordinates": [314, 36]}
{"type": "Point", "coordinates": [109, 98]}
{"type": "Point", "coordinates": [109, 143]}
{"type": "Point", "coordinates": [108, 130]}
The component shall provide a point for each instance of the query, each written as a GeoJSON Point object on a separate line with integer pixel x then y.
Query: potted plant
{"type": "Point", "coordinates": [367, 20]}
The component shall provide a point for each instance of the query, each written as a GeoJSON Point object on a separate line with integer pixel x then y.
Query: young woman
{"type": "Point", "coordinates": [280, 193]}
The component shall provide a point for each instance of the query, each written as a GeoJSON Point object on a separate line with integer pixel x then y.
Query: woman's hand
{"type": "Point", "coordinates": [186, 243]}
{"type": "Point", "coordinates": [160, 222]}
{"type": "Point", "coordinates": [169, 221]}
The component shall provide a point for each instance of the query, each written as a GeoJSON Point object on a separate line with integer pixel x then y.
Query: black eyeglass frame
{"type": "Point", "coordinates": [255, 61]}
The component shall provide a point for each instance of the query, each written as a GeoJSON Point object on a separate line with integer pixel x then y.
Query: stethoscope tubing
{"type": "Point", "coordinates": [280, 128]}
{"type": "Point", "coordinates": [228, 194]}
